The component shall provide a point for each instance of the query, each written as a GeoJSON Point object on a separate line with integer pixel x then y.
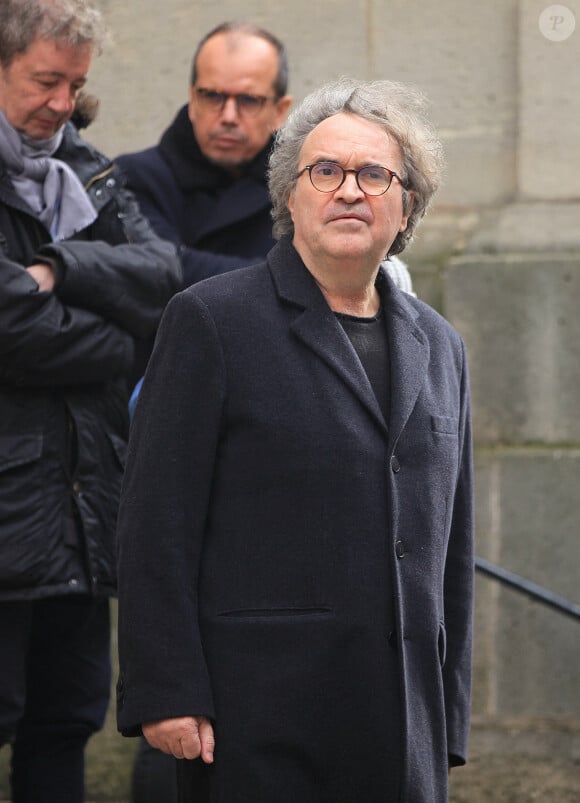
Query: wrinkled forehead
{"type": "Point", "coordinates": [348, 138]}
{"type": "Point", "coordinates": [54, 55]}
{"type": "Point", "coordinates": [237, 62]}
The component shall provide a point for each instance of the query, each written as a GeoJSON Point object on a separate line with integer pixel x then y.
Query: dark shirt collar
{"type": "Point", "coordinates": [193, 171]}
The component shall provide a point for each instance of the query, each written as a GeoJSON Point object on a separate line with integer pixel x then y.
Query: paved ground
{"type": "Point", "coordinates": [517, 779]}
{"type": "Point", "coordinates": [535, 762]}
{"type": "Point", "coordinates": [501, 779]}
{"type": "Point", "coordinates": [517, 764]}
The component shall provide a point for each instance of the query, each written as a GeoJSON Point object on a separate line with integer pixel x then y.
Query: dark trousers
{"type": "Point", "coordinates": [55, 676]}
{"type": "Point", "coordinates": [154, 778]}
{"type": "Point", "coordinates": [160, 778]}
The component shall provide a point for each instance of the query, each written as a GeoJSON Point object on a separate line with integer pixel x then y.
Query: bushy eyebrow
{"type": "Point", "coordinates": [56, 74]}
{"type": "Point", "coordinates": [334, 160]}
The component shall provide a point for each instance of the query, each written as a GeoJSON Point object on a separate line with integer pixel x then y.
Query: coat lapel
{"type": "Point", "coordinates": [326, 337]}
{"type": "Point", "coordinates": [409, 353]}
{"type": "Point", "coordinates": [316, 326]}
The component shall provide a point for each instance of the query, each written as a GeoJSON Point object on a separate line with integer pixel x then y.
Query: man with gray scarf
{"type": "Point", "coordinates": [82, 278]}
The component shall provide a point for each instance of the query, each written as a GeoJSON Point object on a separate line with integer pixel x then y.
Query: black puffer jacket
{"type": "Point", "coordinates": [64, 361]}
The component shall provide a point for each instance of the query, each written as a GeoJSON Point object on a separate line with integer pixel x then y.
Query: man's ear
{"type": "Point", "coordinates": [282, 107]}
{"type": "Point", "coordinates": [191, 107]}
{"type": "Point", "coordinates": [408, 204]}
{"type": "Point", "coordinates": [290, 204]}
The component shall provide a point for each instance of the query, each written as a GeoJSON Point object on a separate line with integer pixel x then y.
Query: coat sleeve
{"type": "Point", "coordinates": [128, 281]}
{"type": "Point", "coordinates": [43, 342]}
{"type": "Point", "coordinates": [458, 592]}
{"type": "Point", "coordinates": [167, 488]}
{"type": "Point", "coordinates": [198, 265]}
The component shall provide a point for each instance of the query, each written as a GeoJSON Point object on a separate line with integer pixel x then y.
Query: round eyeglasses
{"type": "Point", "coordinates": [329, 176]}
{"type": "Point", "coordinates": [248, 105]}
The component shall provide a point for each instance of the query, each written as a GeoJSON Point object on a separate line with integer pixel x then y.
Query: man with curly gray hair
{"type": "Point", "coordinates": [396, 108]}
{"type": "Point", "coordinates": [296, 526]}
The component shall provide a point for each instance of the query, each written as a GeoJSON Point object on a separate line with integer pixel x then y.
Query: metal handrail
{"type": "Point", "coordinates": [529, 588]}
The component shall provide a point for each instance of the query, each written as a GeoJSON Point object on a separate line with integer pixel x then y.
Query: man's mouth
{"type": "Point", "coordinates": [49, 122]}
{"type": "Point", "coordinates": [348, 216]}
{"type": "Point", "coordinates": [226, 139]}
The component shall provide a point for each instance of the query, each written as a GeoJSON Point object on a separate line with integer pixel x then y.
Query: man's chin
{"type": "Point", "coordinates": [228, 161]}
{"type": "Point", "coordinates": [42, 130]}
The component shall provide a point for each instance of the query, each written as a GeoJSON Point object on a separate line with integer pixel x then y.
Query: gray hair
{"type": "Point", "coordinates": [72, 22]}
{"type": "Point", "coordinates": [395, 107]}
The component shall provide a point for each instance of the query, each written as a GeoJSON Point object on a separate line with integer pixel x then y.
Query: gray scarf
{"type": "Point", "coordinates": [49, 186]}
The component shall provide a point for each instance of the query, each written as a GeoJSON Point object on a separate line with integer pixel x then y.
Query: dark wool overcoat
{"type": "Point", "coordinates": [292, 565]}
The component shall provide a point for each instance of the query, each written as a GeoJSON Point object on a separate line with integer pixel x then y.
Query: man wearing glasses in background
{"type": "Point", "coordinates": [203, 187]}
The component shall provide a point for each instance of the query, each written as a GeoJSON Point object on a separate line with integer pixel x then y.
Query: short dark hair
{"type": "Point", "coordinates": [74, 22]}
{"type": "Point", "coordinates": [249, 29]}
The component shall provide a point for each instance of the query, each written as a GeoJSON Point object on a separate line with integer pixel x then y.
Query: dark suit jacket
{"type": "Point", "coordinates": [292, 565]}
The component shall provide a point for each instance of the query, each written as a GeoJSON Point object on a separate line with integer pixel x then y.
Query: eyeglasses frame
{"type": "Point", "coordinates": [345, 170]}
{"type": "Point", "coordinates": [203, 92]}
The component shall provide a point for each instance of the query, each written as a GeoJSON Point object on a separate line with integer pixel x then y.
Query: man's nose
{"type": "Point", "coordinates": [62, 100]}
{"type": "Point", "coordinates": [230, 112]}
{"type": "Point", "coordinates": [349, 189]}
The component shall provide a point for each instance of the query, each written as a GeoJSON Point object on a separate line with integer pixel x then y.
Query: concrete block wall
{"type": "Point", "coordinates": [499, 255]}
{"type": "Point", "coordinates": [519, 314]}
{"type": "Point", "coordinates": [519, 317]}
{"type": "Point", "coordinates": [526, 656]}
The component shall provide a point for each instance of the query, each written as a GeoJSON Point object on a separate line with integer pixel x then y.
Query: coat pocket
{"type": "Point", "coordinates": [445, 424]}
{"type": "Point", "coordinates": [17, 450]}
{"type": "Point", "coordinates": [263, 613]}
{"type": "Point", "coordinates": [22, 510]}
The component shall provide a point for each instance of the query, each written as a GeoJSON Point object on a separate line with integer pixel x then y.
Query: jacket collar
{"type": "Point", "coordinates": [409, 351]}
{"type": "Point", "coordinates": [86, 161]}
{"type": "Point", "coordinates": [316, 325]}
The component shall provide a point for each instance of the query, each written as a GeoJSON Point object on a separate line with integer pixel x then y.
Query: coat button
{"type": "Point", "coordinates": [395, 465]}
{"type": "Point", "coordinates": [400, 549]}
{"type": "Point", "coordinates": [76, 488]}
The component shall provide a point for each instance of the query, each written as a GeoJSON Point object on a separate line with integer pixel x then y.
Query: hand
{"type": "Point", "coordinates": [43, 275]}
{"type": "Point", "coordinates": [182, 737]}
